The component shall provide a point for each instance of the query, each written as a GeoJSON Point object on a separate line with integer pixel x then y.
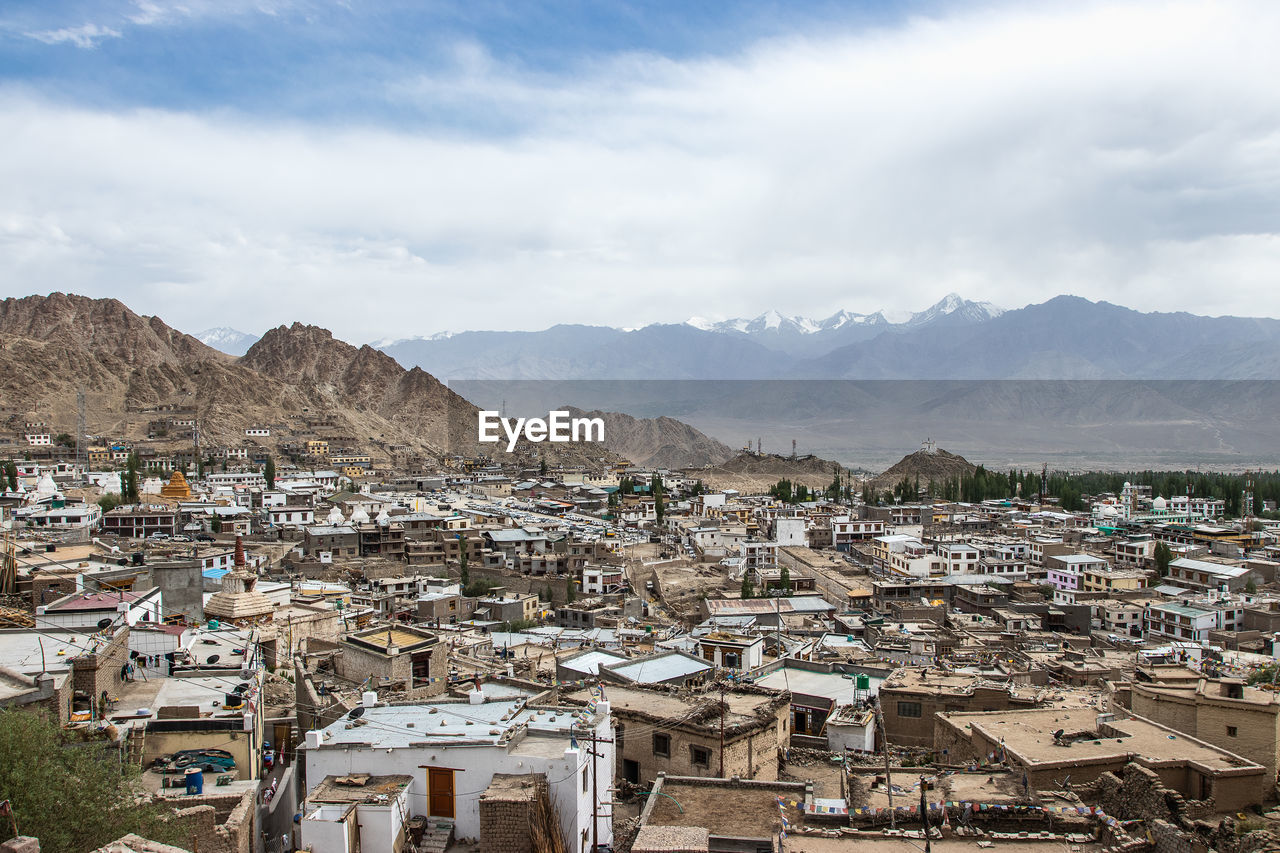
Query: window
{"type": "Point", "coordinates": [1232, 731]}
{"type": "Point", "coordinates": [909, 709]}
{"type": "Point", "coordinates": [700, 756]}
{"type": "Point", "coordinates": [662, 746]}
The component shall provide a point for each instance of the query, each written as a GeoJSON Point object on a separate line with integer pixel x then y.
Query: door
{"type": "Point", "coordinates": [631, 771]}
{"type": "Point", "coordinates": [439, 792]}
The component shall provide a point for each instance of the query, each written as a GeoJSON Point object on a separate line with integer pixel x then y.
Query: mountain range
{"type": "Point", "coordinates": [1066, 337]}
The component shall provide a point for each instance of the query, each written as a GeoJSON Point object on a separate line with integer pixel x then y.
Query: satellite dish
{"type": "Point", "coordinates": [212, 659]}
{"type": "Point", "coordinates": [356, 713]}
{"type": "Point", "coordinates": [104, 623]}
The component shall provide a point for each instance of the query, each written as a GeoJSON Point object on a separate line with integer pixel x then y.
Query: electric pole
{"type": "Point", "coordinates": [888, 781]}
{"type": "Point", "coordinates": [722, 731]}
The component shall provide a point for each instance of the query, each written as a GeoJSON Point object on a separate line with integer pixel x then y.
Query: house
{"type": "Point", "coordinates": [140, 521]}
{"type": "Point", "coordinates": [1204, 576]}
{"type": "Point", "coordinates": [396, 657]}
{"type": "Point", "coordinates": [444, 757]}
{"type": "Point", "coordinates": [682, 734]}
{"type": "Point", "coordinates": [94, 610]}
{"type": "Point", "coordinates": [1052, 743]}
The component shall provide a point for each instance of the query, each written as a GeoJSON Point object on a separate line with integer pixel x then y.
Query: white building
{"type": "Point", "coordinates": [450, 751]}
{"type": "Point", "coordinates": [88, 610]}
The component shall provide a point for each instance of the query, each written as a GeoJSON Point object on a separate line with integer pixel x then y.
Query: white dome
{"type": "Point", "coordinates": [359, 516]}
{"type": "Point", "coordinates": [335, 516]}
{"type": "Point", "coordinates": [1159, 505]}
{"type": "Point", "coordinates": [152, 486]}
{"type": "Point", "coordinates": [46, 487]}
{"type": "Point", "coordinates": [384, 520]}
{"type": "Point", "coordinates": [1127, 485]}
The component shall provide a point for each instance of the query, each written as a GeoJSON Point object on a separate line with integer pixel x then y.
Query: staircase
{"type": "Point", "coordinates": [136, 743]}
{"type": "Point", "coordinates": [437, 837]}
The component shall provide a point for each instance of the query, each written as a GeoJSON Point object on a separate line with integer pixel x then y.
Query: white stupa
{"type": "Point", "coordinates": [45, 487]}
{"type": "Point", "coordinates": [152, 486]}
{"type": "Point", "coordinates": [359, 516]}
{"type": "Point", "coordinates": [334, 517]}
{"type": "Point", "coordinates": [384, 520]}
{"type": "Point", "coordinates": [111, 484]}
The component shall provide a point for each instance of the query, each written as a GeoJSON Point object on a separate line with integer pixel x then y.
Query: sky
{"type": "Point", "coordinates": [389, 169]}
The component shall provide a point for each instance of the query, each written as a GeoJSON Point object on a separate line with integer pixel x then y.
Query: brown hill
{"type": "Point", "coordinates": [137, 369]}
{"type": "Point", "coordinates": [929, 467]}
{"type": "Point", "coordinates": [658, 442]}
{"type": "Point", "coordinates": [753, 473]}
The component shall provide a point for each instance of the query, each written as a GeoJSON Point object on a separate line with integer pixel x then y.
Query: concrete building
{"type": "Point", "coordinates": [449, 752]}
{"type": "Point", "coordinates": [657, 732]}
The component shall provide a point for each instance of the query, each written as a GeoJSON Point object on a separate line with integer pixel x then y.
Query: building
{"type": "Point", "coordinates": [1052, 743]}
{"type": "Point", "coordinates": [1225, 713]}
{"type": "Point", "coordinates": [681, 734]}
{"type": "Point", "coordinates": [407, 660]}
{"type": "Point", "coordinates": [139, 522]}
{"type": "Point", "coordinates": [93, 611]}
{"type": "Point", "coordinates": [443, 756]}
{"type": "Point", "coordinates": [910, 698]}
{"type": "Point", "coordinates": [1204, 576]}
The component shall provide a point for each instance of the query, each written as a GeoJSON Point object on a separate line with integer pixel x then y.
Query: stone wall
{"type": "Point", "coordinates": [220, 824]}
{"type": "Point", "coordinates": [99, 672]}
{"type": "Point", "coordinates": [509, 812]}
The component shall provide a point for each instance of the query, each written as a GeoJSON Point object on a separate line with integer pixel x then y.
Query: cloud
{"type": "Point", "coordinates": [1120, 151]}
{"type": "Point", "coordinates": [85, 36]}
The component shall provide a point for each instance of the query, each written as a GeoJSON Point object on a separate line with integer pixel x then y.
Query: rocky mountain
{"type": "Point", "coordinates": [929, 466]}
{"type": "Point", "coordinates": [801, 336]}
{"type": "Point", "coordinates": [660, 442]}
{"type": "Point", "coordinates": [1064, 338]}
{"type": "Point", "coordinates": [136, 370]}
{"type": "Point", "coordinates": [228, 340]}
{"type": "Point", "coordinates": [756, 472]}
{"type": "Point", "coordinates": [590, 352]}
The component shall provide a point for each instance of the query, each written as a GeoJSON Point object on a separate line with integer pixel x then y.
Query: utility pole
{"type": "Point", "coordinates": [595, 797]}
{"type": "Point", "coordinates": [888, 781]}
{"type": "Point", "coordinates": [722, 731]}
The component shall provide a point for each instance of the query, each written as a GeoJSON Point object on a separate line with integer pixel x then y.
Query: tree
{"type": "Point", "coordinates": [784, 579]}
{"type": "Point", "coordinates": [659, 508]}
{"type": "Point", "coordinates": [130, 484]}
{"type": "Point", "coordinates": [463, 575]}
{"type": "Point", "coordinates": [270, 472]}
{"type": "Point", "coordinates": [570, 594]}
{"type": "Point", "coordinates": [1162, 555]}
{"type": "Point", "coordinates": [108, 502]}
{"type": "Point", "coordinates": [542, 466]}
{"type": "Point", "coordinates": [72, 795]}
{"type": "Point", "coordinates": [64, 439]}
{"type": "Point", "coordinates": [11, 474]}
{"type": "Point", "coordinates": [546, 593]}
{"type": "Point", "coordinates": [1251, 588]}
{"type": "Point", "coordinates": [748, 591]}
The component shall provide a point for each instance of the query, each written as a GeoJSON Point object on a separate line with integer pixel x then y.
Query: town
{"type": "Point", "coordinates": [301, 645]}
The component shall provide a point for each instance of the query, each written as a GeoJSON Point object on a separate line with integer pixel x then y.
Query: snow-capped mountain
{"type": "Point", "coordinates": [798, 335]}
{"type": "Point", "coordinates": [228, 340]}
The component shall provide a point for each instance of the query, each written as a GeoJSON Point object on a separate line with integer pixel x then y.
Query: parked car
{"type": "Point", "coordinates": [204, 537]}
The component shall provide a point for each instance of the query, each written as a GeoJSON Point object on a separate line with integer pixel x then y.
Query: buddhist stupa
{"type": "Point", "coordinates": [176, 488]}
{"type": "Point", "coordinates": [238, 602]}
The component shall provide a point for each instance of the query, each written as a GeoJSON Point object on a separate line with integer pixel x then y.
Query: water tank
{"type": "Point", "coordinates": [195, 781]}
{"type": "Point", "coordinates": [213, 624]}
{"type": "Point", "coordinates": [863, 682]}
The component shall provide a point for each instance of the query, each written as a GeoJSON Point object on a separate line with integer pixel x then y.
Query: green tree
{"type": "Point", "coordinates": [542, 466]}
{"type": "Point", "coordinates": [1251, 588]}
{"type": "Point", "coordinates": [130, 484]}
{"type": "Point", "coordinates": [570, 593]}
{"type": "Point", "coordinates": [784, 579]}
{"type": "Point", "coordinates": [1163, 556]}
{"type": "Point", "coordinates": [11, 474]}
{"type": "Point", "coordinates": [270, 472]}
{"type": "Point", "coordinates": [659, 504]}
{"type": "Point", "coordinates": [64, 439]}
{"type": "Point", "coordinates": [748, 591]}
{"type": "Point", "coordinates": [108, 502]}
{"type": "Point", "coordinates": [73, 796]}
{"type": "Point", "coordinates": [546, 594]}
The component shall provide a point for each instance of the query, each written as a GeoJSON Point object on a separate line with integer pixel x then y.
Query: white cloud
{"type": "Point", "coordinates": [84, 36]}
{"type": "Point", "coordinates": [1120, 151]}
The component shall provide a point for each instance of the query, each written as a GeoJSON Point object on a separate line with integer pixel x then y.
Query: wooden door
{"type": "Point", "coordinates": [439, 792]}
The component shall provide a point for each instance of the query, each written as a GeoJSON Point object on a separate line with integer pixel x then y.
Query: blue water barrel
{"type": "Point", "coordinates": [195, 780]}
